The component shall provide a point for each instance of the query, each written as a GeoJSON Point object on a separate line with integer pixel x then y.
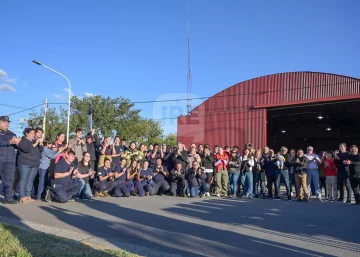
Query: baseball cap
{"type": "Point", "coordinates": [4, 118]}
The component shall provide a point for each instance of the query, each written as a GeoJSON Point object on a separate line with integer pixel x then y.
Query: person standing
{"type": "Point", "coordinates": [301, 163]}
{"type": "Point", "coordinates": [78, 145]}
{"type": "Point", "coordinates": [117, 151]}
{"type": "Point", "coordinates": [313, 175]}
{"type": "Point", "coordinates": [283, 172]}
{"type": "Point", "coordinates": [47, 155]}
{"type": "Point", "coordinates": [247, 164]}
{"type": "Point", "coordinates": [343, 173]}
{"type": "Point", "coordinates": [8, 142]}
{"type": "Point", "coordinates": [28, 163]}
{"type": "Point", "coordinates": [207, 163]}
{"type": "Point", "coordinates": [331, 176]}
{"type": "Point", "coordinates": [221, 175]}
{"type": "Point", "coordinates": [234, 172]}
{"type": "Point", "coordinates": [354, 172]}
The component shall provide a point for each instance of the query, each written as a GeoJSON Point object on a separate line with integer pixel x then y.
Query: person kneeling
{"type": "Point", "coordinates": [146, 179]}
{"type": "Point", "coordinates": [63, 185]}
{"type": "Point", "coordinates": [120, 174]}
{"type": "Point", "coordinates": [104, 183]}
{"type": "Point", "coordinates": [197, 181]}
{"type": "Point", "coordinates": [160, 173]}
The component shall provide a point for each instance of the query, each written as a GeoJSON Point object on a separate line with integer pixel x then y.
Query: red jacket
{"type": "Point", "coordinates": [224, 159]}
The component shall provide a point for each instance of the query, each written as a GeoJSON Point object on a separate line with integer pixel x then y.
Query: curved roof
{"type": "Point", "coordinates": [283, 89]}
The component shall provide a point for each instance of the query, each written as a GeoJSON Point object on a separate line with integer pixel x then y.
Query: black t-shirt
{"type": "Point", "coordinates": [108, 150]}
{"type": "Point", "coordinates": [123, 177]}
{"type": "Point", "coordinates": [159, 176]}
{"type": "Point", "coordinates": [82, 169]}
{"type": "Point", "coordinates": [63, 167]}
{"type": "Point", "coordinates": [152, 161]}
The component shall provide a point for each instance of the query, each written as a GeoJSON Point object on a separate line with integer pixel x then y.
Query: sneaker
{"type": "Point", "coordinates": [340, 200]}
{"type": "Point", "coordinates": [250, 196]}
{"type": "Point", "coordinates": [218, 195]}
{"type": "Point", "coordinates": [207, 194]}
{"type": "Point", "coordinates": [348, 202]}
{"type": "Point", "coordinates": [225, 195]}
{"type": "Point", "coordinates": [48, 196]}
{"type": "Point", "coordinates": [12, 201]}
{"type": "Point", "coordinates": [71, 200]}
{"type": "Point", "coordinates": [277, 198]}
{"type": "Point", "coordinates": [263, 196]}
{"type": "Point", "coordinates": [289, 198]}
{"type": "Point", "coordinates": [333, 200]}
{"type": "Point", "coordinates": [201, 195]}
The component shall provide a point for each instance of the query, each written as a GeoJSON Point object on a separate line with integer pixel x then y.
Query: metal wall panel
{"type": "Point", "coordinates": [234, 128]}
{"type": "Point", "coordinates": [228, 117]}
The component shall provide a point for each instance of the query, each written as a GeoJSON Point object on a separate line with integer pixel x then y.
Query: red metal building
{"type": "Point", "coordinates": [240, 113]}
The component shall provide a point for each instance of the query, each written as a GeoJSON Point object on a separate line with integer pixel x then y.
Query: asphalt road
{"type": "Point", "coordinates": [207, 227]}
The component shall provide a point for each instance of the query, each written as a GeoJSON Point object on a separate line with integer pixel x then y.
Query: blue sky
{"type": "Point", "coordinates": [138, 49]}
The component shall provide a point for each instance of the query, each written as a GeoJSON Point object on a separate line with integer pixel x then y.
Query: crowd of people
{"type": "Point", "coordinates": [32, 168]}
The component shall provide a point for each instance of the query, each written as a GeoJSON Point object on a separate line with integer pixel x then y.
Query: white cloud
{"type": "Point", "coordinates": [3, 74]}
{"type": "Point", "coordinates": [6, 87]}
{"type": "Point", "coordinates": [59, 96]}
{"type": "Point", "coordinates": [87, 94]}
{"type": "Point", "coordinates": [11, 81]}
{"type": "Point", "coordinates": [71, 92]}
{"type": "Point", "coordinates": [6, 81]}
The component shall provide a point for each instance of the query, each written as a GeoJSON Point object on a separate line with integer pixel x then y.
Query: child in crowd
{"type": "Point", "coordinates": [280, 161]}
{"type": "Point", "coordinates": [331, 176]}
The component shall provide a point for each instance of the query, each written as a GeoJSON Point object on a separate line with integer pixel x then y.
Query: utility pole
{"type": "Point", "coordinates": [44, 119]}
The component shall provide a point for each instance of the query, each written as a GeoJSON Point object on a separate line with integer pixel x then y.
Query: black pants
{"type": "Point", "coordinates": [271, 180]}
{"type": "Point", "coordinates": [355, 185]}
{"type": "Point", "coordinates": [343, 179]}
{"type": "Point", "coordinates": [178, 187]}
{"type": "Point", "coordinates": [121, 189]}
{"type": "Point", "coordinates": [323, 185]}
{"type": "Point", "coordinates": [7, 174]}
{"type": "Point", "coordinates": [62, 193]}
{"type": "Point", "coordinates": [104, 186]}
{"type": "Point", "coordinates": [160, 188]}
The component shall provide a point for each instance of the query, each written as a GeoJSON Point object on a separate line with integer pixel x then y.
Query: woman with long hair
{"type": "Point", "coordinates": [221, 173]}
{"type": "Point", "coordinates": [133, 175]}
{"type": "Point", "coordinates": [86, 172]}
{"type": "Point", "coordinates": [247, 164]}
{"type": "Point", "coordinates": [28, 162]}
{"type": "Point", "coordinates": [234, 171]}
{"type": "Point", "coordinates": [259, 172]}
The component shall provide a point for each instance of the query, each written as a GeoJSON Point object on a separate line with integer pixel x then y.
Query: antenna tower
{"type": "Point", "coordinates": [189, 76]}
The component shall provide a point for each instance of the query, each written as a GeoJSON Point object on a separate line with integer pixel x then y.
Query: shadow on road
{"type": "Point", "coordinates": [176, 236]}
{"type": "Point", "coordinates": [283, 218]}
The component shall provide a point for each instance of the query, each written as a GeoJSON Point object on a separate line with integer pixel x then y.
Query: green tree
{"type": "Point", "coordinates": [108, 114]}
{"type": "Point", "coordinates": [56, 121]}
{"type": "Point", "coordinates": [171, 139]}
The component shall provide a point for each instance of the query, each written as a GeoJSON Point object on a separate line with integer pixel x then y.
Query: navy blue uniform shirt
{"type": "Point", "coordinates": [63, 167]}
{"type": "Point", "coordinates": [147, 172]}
{"type": "Point", "coordinates": [123, 177]}
{"type": "Point", "coordinates": [7, 151]}
{"type": "Point", "coordinates": [159, 176]}
{"type": "Point", "coordinates": [102, 172]}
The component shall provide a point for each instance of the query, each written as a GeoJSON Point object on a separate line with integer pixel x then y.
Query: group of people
{"type": "Point", "coordinates": [87, 167]}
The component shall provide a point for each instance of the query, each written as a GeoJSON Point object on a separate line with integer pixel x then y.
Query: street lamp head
{"type": "Point", "coordinates": [36, 62]}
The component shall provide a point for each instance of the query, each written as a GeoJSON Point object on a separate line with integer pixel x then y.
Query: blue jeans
{"type": "Point", "coordinates": [27, 176]}
{"type": "Point", "coordinates": [43, 181]}
{"type": "Point", "coordinates": [234, 177]}
{"type": "Point", "coordinates": [292, 182]}
{"type": "Point", "coordinates": [195, 190]}
{"type": "Point", "coordinates": [85, 192]}
{"type": "Point", "coordinates": [314, 177]}
{"type": "Point", "coordinates": [285, 175]}
{"type": "Point", "coordinates": [260, 178]}
{"type": "Point", "coordinates": [247, 181]}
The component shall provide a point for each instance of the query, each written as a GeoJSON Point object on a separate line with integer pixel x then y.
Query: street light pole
{"type": "Point", "coordinates": [68, 118]}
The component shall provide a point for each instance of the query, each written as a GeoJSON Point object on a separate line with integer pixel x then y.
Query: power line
{"type": "Point", "coordinates": [28, 109]}
{"type": "Point", "coordinates": [239, 94]}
